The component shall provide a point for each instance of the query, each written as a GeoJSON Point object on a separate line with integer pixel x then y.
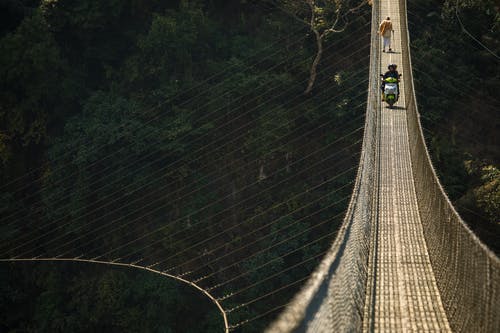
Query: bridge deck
{"type": "Point", "coordinates": [402, 295]}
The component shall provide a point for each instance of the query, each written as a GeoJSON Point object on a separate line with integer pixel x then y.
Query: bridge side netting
{"type": "Point", "coordinates": [467, 273]}
{"type": "Point", "coordinates": [333, 298]}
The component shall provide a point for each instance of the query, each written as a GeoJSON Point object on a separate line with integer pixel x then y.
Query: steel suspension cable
{"type": "Point", "coordinates": [61, 226]}
{"type": "Point", "coordinates": [280, 182]}
{"type": "Point", "coordinates": [147, 110]}
{"type": "Point", "coordinates": [236, 263]}
{"type": "Point", "coordinates": [268, 224]}
{"type": "Point", "coordinates": [35, 240]}
{"type": "Point", "coordinates": [454, 87]}
{"type": "Point", "coordinates": [207, 80]}
{"type": "Point", "coordinates": [159, 159]}
{"type": "Point", "coordinates": [246, 321]}
{"type": "Point", "coordinates": [116, 152]}
{"type": "Point", "coordinates": [224, 268]}
{"type": "Point", "coordinates": [254, 284]}
{"type": "Point", "coordinates": [471, 35]}
{"type": "Point", "coordinates": [206, 116]}
{"type": "Point", "coordinates": [173, 235]}
{"type": "Point", "coordinates": [256, 299]}
{"type": "Point", "coordinates": [219, 200]}
{"type": "Point", "coordinates": [88, 212]}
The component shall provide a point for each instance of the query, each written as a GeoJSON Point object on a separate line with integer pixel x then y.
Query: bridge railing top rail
{"type": "Point", "coordinates": [467, 272]}
{"type": "Point", "coordinates": [342, 273]}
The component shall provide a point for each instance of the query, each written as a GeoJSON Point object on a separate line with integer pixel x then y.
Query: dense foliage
{"type": "Point", "coordinates": [457, 82]}
{"type": "Point", "coordinates": [98, 299]}
{"type": "Point", "coordinates": [178, 120]}
{"type": "Point", "coordinates": [129, 114]}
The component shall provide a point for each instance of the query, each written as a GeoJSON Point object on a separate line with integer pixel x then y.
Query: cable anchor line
{"type": "Point", "coordinates": [144, 268]}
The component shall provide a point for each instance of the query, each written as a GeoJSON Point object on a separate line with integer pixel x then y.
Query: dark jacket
{"type": "Point", "coordinates": [394, 74]}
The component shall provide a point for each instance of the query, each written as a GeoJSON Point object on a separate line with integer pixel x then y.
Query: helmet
{"type": "Point", "coordinates": [392, 65]}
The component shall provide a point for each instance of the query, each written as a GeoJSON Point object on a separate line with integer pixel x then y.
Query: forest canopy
{"type": "Point", "coordinates": [117, 116]}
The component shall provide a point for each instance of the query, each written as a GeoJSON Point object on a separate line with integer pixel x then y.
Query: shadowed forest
{"type": "Point", "coordinates": [457, 84]}
{"type": "Point", "coordinates": [124, 116]}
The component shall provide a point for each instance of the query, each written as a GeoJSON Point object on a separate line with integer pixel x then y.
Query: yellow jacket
{"type": "Point", "coordinates": [385, 28]}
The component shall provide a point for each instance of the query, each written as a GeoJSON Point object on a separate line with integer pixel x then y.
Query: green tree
{"type": "Point", "coordinates": [33, 86]}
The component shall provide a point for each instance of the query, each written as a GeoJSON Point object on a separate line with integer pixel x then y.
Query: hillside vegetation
{"type": "Point", "coordinates": [134, 115]}
{"type": "Point", "coordinates": [457, 84]}
{"type": "Point", "coordinates": [120, 117]}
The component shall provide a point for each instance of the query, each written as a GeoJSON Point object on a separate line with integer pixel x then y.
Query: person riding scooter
{"type": "Point", "coordinates": [391, 73]}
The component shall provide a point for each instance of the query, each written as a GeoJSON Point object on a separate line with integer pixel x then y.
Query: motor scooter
{"type": "Point", "coordinates": [391, 90]}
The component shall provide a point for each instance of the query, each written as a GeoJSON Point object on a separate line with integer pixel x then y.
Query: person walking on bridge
{"type": "Point", "coordinates": [385, 30]}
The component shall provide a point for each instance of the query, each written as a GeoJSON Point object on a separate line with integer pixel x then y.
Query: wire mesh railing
{"type": "Point", "coordinates": [466, 271]}
{"type": "Point", "coordinates": [332, 300]}
{"type": "Point", "coordinates": [246, 242]}
{"type": "Point", "coordinates": [333, 297]}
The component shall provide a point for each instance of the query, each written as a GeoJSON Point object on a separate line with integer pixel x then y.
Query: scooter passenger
{"type": "Point", "coordinates": [392, 73]}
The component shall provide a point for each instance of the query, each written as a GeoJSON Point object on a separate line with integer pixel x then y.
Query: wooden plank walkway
{"type": "Point", "coordinates": [402, 295]}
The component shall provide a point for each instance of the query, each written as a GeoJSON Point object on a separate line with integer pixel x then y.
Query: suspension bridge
{"type": "Point", "coordinates": [402, 261]}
